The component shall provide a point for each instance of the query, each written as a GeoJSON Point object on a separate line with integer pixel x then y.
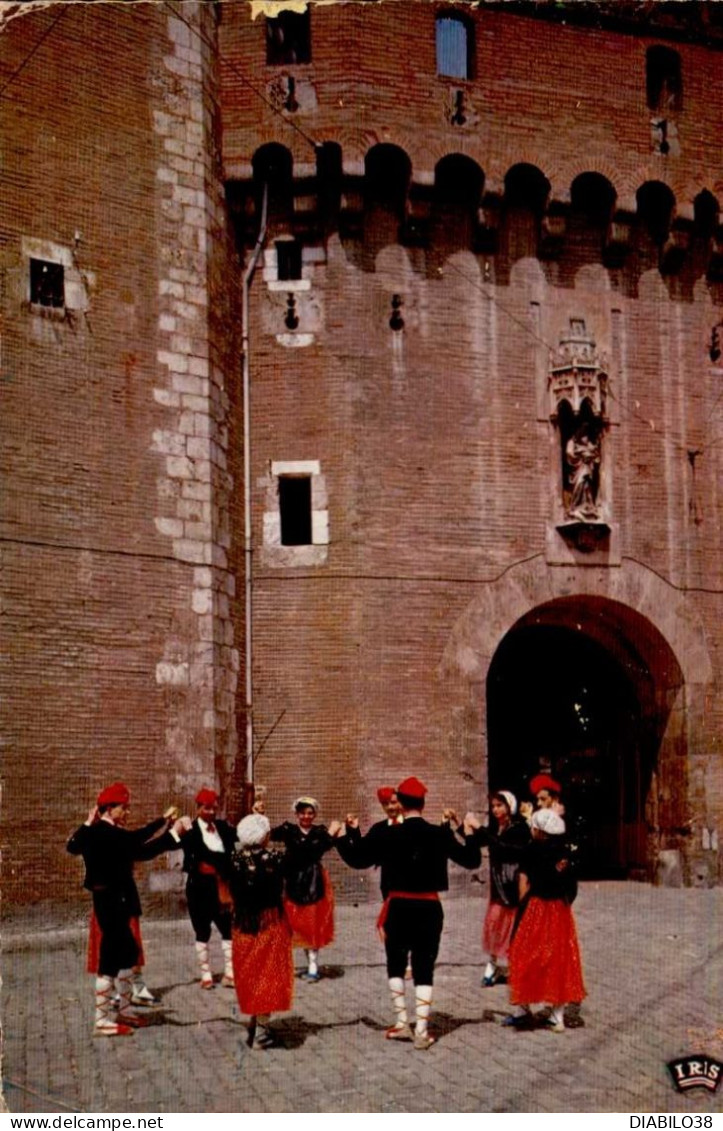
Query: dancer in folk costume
{"type": "Point", "coordinates": [109, 851]}
{"type": "Point", "coordinates": [263, 961]}
{"type": "Point", "coordinates": [544, 955]}
{"type": "Point", "coordinates": [308, 894]}
{"type": "Point", "coordinates": [506, 838]}
{"type": "Point", "coordinates": [413, 860]}
{"type": "Point", "coordinates": [140, 993]}
{"type": "Point", "coordinates": [206, 858]}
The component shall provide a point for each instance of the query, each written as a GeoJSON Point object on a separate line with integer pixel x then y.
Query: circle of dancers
{"type": "Point", "coordinates": [266, 891]}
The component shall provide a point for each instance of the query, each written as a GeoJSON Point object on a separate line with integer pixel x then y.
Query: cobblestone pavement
{"type": "Point", "coordinates": [652, 962]}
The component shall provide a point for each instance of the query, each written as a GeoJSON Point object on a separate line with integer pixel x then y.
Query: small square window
{"type": "Point", "coordinates": [288, 39]}
{"type": "Point", "coordinates": [288, 259]}
{"type": "Point", "coordinates": [47, 283]}
{"type": "Point", "coordinates": [295, 509]}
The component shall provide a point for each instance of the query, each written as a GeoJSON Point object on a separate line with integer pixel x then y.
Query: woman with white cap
{"type": "Point", "coordinates": [544, 955]}
{"type": "Point", "coordinates": [308, 895]}
{"type": "Point", "coordinates": [506, 837]}
{"type": "Point", "coordinates": [263, 963]}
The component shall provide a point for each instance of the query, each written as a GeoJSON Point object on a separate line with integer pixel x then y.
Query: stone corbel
{"type": "Point", "coordinates": [618, 238]}
{"type": "Point", "coordinates": [715, 259]}
{"type": "Point", "coordinates": [486, 234]}
{"type": "Point", "coordinates": [415, 228]}
{"type": "Point", "coordinates": [553, 228]}
{"type": "Point", "coordinates": [351, 213]}
{"type": "Point", "coordinates": [675, 248]}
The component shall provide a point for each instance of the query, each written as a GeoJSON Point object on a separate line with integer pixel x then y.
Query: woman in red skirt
{"type": "Point", "coordinates": [308, 895]}
{"type": "Point", "coordinates": [263, 963]}
{"type": "Point", "coordinates": [506, 838]}
{"type": "Point", "coordinates": [544, 954]}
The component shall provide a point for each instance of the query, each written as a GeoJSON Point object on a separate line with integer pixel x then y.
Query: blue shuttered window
{"type": "Point", "coordinates": [452, 47]}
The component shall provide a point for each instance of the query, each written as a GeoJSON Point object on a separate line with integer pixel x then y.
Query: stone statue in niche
{"type": "Point", "coordinates": [578, 394]}
{"type": "Point", "coordinates": [582, 463]}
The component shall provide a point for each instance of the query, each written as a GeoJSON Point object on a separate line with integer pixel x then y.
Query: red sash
{"type": "Point", "coordinates": [400, 895]}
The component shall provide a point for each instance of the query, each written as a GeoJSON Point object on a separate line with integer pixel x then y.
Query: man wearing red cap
{"type": "Point", "coordinates": [387, 797]}
{"type": "Point", "coordinates": [206, 858]}
{"type": "Point", "coordinates": [413, 858]}
{"type": "Point", "coordinates": [546, 792]}
{"type": "Point", "coordinates": [109, 850]}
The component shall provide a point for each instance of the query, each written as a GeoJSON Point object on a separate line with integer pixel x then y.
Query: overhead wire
{"type": "Point", "coordinates": [33, 51]}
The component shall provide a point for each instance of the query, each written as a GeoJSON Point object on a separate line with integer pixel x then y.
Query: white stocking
{"type": "Point", "coordinates": [423, 1006]}
{"type": "Point", "coordinates": [399, 1004]}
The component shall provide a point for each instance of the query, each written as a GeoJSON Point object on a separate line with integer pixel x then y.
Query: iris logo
{"type": "Point", "coordinates": [696, 1071]}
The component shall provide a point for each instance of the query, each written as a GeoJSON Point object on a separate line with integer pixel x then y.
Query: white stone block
{"type": "Point", "coordinates": [320, 527]}
{"type": "Point", "coordinates": [174, 674]}
{"type": "Point", "coordinates": [194, 386]}
{"type": "Point", "coordinates": [202, 601]}
{"type": "Point", "coordinates": [176, 362]}
{"type": "Point", "coordinates": [197, 531]}
{"type": "Point", "coordinates": [169, 443]}
{"type": "Point", "coordinates": [296, 467]}
{"type": "Point", "coordinates": [194, 490]}
{"type": "Point", "coordinates": [203, 578]}
{"type": "Point", "coordinates": [179, 467]}
{"type": "Point", "coordinates": [178, 32]}
{"type": "Point", "coordinates": [197, 448]}
{"type": "Point", "coordinates": [169, 287]}
{"type": "Point", "coordinates": [187, 551]}
{"type": "Point", "coordinates": [167, 398]}
{"type": "Point", "coordinates": [198, 366]}
{"type": "Point", "coordinates": [167, 322]}
{"type": "Point", "coordinates": [170, 527]}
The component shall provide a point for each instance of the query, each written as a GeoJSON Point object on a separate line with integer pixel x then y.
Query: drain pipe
{"type": "Point", "coordinates": [248, 560]}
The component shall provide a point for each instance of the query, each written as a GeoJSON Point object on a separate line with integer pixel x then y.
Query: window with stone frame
{"type": "Point", "coordinates": [295, 510]}
{"type": "Point", "coordinates": [47, 284]}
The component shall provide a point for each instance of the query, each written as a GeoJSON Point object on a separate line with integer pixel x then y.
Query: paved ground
{"type": "Point", "coordinates": [652, 961]}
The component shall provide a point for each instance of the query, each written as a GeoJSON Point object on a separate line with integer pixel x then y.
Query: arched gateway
{"type": "Point", "coordinates": [597, 678]}
{"type": "Point", "coordinates": [584, 687]}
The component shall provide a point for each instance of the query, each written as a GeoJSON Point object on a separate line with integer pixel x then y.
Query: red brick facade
{"type": "Point", "coordinates": [451, 610]}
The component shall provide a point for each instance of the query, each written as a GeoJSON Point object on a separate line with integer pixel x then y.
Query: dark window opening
{"type": "Point", "coordinates": [295, 509]}
{"type": "Point", "coordinates": [288, 39]}
{"type": "Point", "coordinates": [454, 47]}
{"type": "Point", "coordinates": [663, 79]}
{"type": "Point", "coordinates": [47, 283]}
{"type": "Point", "coordinates": [288, 259]}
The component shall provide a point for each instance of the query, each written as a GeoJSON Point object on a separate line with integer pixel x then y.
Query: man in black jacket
{"type": "Point", "coordinates": [413, 860]}
{"type": "Point", "coordinates": [207, 852]}
{"type": "Point", "coordinates": [109, 851]}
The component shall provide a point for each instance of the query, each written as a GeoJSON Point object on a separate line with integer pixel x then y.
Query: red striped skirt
{"type": "Point", "coordinates": [313, 923]}
{"type": "Point", "coordinates": [94, 934]}
{"type": "Point", "coordinates": [497, 929]}
{"type": "Point", "coordinates": [544, 956]}
{"type": "Point", "coordinates": [263, 967]}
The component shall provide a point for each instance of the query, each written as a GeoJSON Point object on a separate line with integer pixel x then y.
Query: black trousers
{"type": "Point", "coordinates": [118, 948]}
{"type": "Point", "coordinates": [205, 908]}
{"type": "Point", "coordinates": [413, 926]}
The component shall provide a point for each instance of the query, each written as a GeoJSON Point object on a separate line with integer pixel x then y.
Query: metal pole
{"type": "Point", "coordinates": [248, 560]}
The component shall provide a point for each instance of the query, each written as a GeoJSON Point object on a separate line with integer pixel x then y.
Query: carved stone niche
{"type": "Point", "coordinates": [578, 393]}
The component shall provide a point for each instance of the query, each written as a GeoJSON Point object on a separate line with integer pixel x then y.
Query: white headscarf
{"type": "Point", "coordinates": [510, 799]}
{"type": "Point", "coordinates": [253, 830]}
{"type": "Point", "coordinates": [548, 821]}
{"type": "Point", "coordinates": [305, 801]}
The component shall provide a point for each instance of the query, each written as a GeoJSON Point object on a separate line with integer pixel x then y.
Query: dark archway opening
{"type": "Point", "coordinates": [560, 701]}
